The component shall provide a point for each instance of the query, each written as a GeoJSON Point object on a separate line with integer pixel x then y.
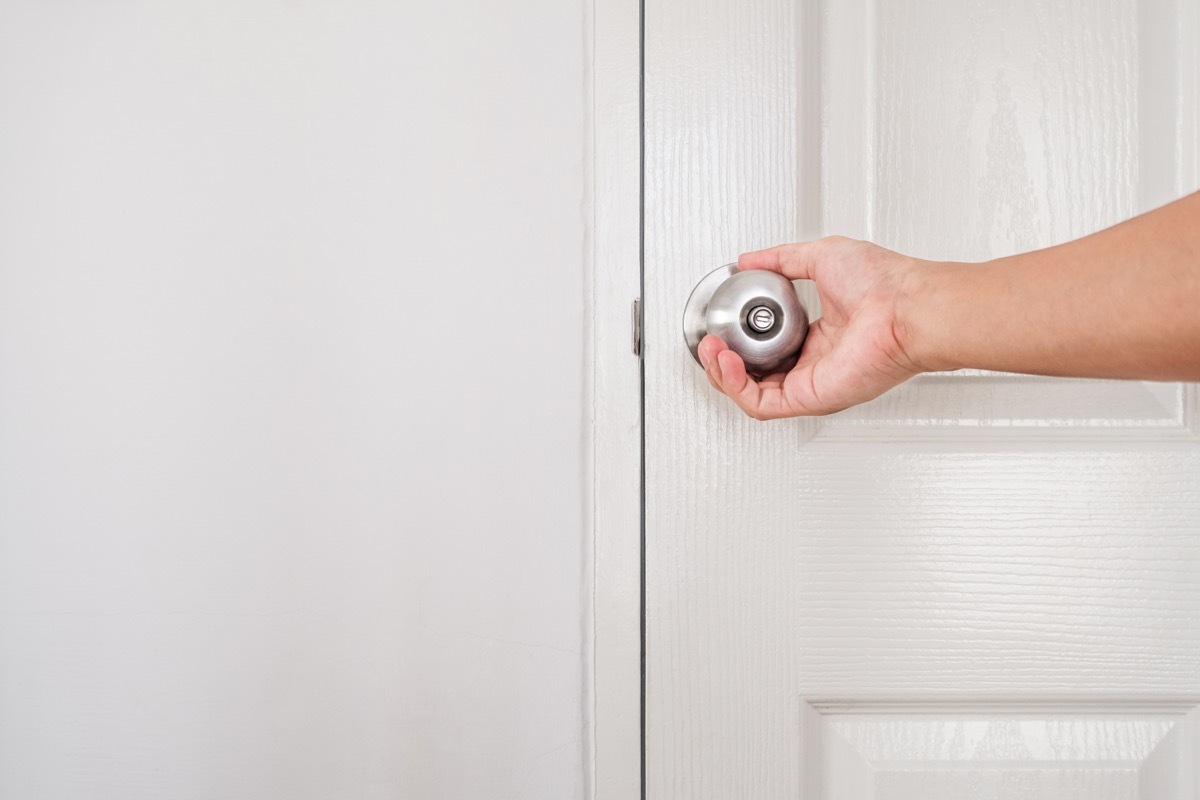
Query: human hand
{"type": "Point", "coordinates": [856, 351]}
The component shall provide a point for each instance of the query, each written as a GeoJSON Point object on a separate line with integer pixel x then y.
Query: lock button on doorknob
{"type": "Point", "coordinates": [756, 313]}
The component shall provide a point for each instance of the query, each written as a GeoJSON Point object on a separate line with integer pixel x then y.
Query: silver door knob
{"type": "Point", "coordinates": [756, 312]}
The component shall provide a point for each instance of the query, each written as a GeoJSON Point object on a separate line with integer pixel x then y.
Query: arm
{"type": "Point", "coordinates": [1121, 303]}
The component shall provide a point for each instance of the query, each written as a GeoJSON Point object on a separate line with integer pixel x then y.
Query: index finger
{"type": "Point", "coordinates": [794, 261]}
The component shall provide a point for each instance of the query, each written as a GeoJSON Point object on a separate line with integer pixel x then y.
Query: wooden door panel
{"type": "Point", "coordinates": [1086, 752]}
{"type": "Point", "coordinates": [967, 130]}
{"type": "Point", "coordinates": [974, 538]}
{"type": "Point", "coordinates": [971, 405]}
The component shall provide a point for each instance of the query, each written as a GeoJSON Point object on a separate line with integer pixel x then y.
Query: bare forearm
{"type": "Point", "coordinates": [1121, 303]}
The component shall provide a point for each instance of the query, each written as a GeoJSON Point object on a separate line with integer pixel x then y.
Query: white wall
{"type": "Point", "coordinates": [290, 399]}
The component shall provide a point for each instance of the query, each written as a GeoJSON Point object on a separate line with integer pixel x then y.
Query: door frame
{"type": "Point", "coordinates": [613, 616]}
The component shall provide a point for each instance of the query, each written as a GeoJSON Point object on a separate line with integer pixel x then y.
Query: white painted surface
{"type": "Point", "coordinates": [282, 514]}
{"type": "Point", "coordinates": [615, 393]}
{"type": "Point", "coordinates": [1084, 752]}
{"type": "Point", "coordinates": [973, 544]}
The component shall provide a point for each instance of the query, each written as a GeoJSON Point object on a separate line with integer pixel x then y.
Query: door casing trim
{"type": "Point", "coordinates": [613, 447]}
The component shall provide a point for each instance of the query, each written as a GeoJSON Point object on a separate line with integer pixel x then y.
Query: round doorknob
{"type": "Point", "coordinates": [756, 312]}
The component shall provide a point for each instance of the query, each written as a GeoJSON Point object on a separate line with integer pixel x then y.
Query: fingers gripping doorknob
{"type": "Point", "coordinates": [757, 313]}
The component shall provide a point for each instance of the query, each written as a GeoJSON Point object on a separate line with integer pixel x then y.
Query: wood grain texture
{"type": "Point", "coordinates": [977, 129]}
{"type": "Point", "coordinates": [871, 562]}
{"type": "Point", "coordinates": [940, 756]}
{"type": "Point", "coordinates": [974, 405]}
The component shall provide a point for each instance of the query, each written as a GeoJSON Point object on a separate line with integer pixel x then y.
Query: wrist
{"type": "Point", "coordinates": [924, 315]}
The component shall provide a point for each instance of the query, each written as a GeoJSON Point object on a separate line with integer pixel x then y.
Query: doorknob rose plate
{"type": "Point", "coordinates": [756, 312]}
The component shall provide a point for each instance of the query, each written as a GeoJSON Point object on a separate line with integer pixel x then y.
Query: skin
{"type": "Point", "coordinates": [1120, 303]}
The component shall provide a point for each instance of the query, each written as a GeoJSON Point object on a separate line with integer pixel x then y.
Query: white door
{"type": "Point", "coordinates": [980, 585]}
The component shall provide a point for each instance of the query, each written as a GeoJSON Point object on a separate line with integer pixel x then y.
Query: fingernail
{"type": "Point", "coordinates": [703, 359]}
